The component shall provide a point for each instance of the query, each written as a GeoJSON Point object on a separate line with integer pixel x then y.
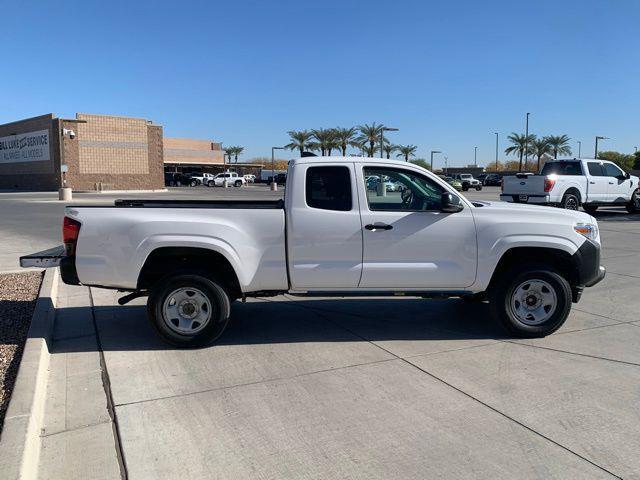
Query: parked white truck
{"type": "Point", "coordinates": [331, 236]}
{"type": "Point", "coordinates": [572, 183]}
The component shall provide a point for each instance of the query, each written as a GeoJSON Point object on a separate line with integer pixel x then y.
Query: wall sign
{"type": "Point", "coordinates": [25, 147]}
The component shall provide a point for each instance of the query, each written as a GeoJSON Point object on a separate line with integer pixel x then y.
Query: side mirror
{"type": "Point", "coordinates": [450, 203]}
{"type": "Point", "coordinates": [624, 176]}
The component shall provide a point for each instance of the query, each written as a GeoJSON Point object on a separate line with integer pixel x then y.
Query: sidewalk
{"type": "Point", "coordinates": [77, 438]}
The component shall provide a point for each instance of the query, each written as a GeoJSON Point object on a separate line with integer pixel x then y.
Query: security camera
{"type": "Point", "coordinates": [71, 133]}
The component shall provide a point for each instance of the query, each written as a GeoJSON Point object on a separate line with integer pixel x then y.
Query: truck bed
{"type": "Point", "coordinates": [226, 204]}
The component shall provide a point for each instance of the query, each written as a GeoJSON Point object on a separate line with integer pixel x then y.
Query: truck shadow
{"type": "Point", "coordinates": [283, 321]}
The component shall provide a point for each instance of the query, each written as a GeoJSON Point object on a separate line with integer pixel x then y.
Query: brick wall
{"type": "Point", "coordinates": [189, 151]}
{"type": "Point", "coordinates": [32, 175]}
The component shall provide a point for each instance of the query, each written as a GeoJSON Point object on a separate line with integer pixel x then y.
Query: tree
{"type": "Point", "coordinates": [234, 151]}
{"type": "Point", "coordinates": [389, 149]}
{"type": "Point", "coordinates": [512, 166]}
{"type": "Point", "coordinates": [299, 140]}
{"type": "Point", "coordinates": [346, 138]}
{"type": "Point", "coordinates": [493, 168]}
{"type": "Point", "coordinates": [559, 145]}
{"type": "Point", "coordinates": [369, 137]}
{"type": "Point", "coordinates": [519, 143]}
{"type": "Point", "coordinates": [636, 165]}
{"type": "Point", "coordinates": [406, 151]}
{"type": "Point", "coordinates": [323, 137]}
{"type": "Point", "coordinates": [541, 147]}
{"type": "Point", "coordinates": [421, 162]}
{"type": "Point", "coordinates": [623, 160]}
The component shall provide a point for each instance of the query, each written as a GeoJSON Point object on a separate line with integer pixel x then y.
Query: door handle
{"type": "Point", "coordinates": [378, 226]}
{"type": "Point", "coordinates": [592, 183]}
{"type": "Point", "coordinates": [611, 183]}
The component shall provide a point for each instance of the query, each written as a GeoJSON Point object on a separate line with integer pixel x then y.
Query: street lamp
{"type": "Point", "coordinates": [475, 156]}
{"type": "Point", "coordinates": [432, 152]}
{"type": "Point", "coordinates": [496, 151]}
{"type": "Point", "coordinates": [274, 183]}
{"type": "Point", "coordinates": [382, 130]}
{"type": "Point", "coordinates": [446, 164]}
{"type": "Point", "coordinates": [526, 144]}
{"type": "Point", "coordinates": [596, 150]}
{"type": "Point", "coordinates": [579, 149]}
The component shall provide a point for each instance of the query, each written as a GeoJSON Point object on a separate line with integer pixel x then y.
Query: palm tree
{"type": "Point", "coordinates": [540, 147]}
{"type": "Point", "coordinates": [300, 140]}
{"type": "Point", "coordinates": [345, 137]}
{"type": "Point", "coordinates": [559, 145]}
{"type": "Point", "coordinates": [519, 145]}
{"type": "Point", "coordinates": [406, 151]}
{"type": "Point", "coordinates": [370, 135]}
{"type": "Point", "coordinates": [234, 151]}
{"type": "Point", "coordinates": [324, 137]}
{"type": "Point", "coordinates": [389, 149]}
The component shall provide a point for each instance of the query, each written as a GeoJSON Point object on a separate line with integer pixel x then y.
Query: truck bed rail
{"type": "Point", "coordinates": [226, 204]}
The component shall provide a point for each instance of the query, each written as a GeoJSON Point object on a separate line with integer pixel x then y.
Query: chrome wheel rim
{"type": "Point", "coordinates": [571, 204]}
{"type": "Point", "coordinates": [186, 311]}
{"type": "Point", "coordinates": [533, 302]}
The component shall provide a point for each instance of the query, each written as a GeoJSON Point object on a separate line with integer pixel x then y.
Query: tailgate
{"type": "Point", "coordinates": [44, 259]}
{"type": "Point", "coordinates": [523, 185]}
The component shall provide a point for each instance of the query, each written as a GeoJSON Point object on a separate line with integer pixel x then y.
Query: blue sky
{"type": "Point", "coordinates": [448, 74]}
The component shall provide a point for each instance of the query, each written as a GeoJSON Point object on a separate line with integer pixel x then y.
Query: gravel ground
{"type": "Point", "coordinates": [18, 295]}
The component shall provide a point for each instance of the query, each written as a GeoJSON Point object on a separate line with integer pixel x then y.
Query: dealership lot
{"type": "Point", "coordinates": [325, 388]}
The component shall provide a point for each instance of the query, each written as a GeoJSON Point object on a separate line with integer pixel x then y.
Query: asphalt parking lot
{"type": "Point", "coordinates": [326, 388]}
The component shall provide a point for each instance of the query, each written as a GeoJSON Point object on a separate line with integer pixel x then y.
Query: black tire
{"type": "Point", "coordinates": [570, 201]}
{"type": "Point", "coordinates": [238, 183]}
{"type": "Point", "coordinates": [634, 205]}
{"type": "Point", "coordinates": [211, 183]}
{"type": "Point", "coordinates": [465, 187]}
{"type": "Point", "coordinates": [591, 209]}
{"type": "Point", "coordinates": [193, 183]}
{"type": "Point", "coordinates": [479, 187]}
{"type": "Point", "coordinates": [501, 302]}
{"type": "Point", "coordinates": [219, 312]}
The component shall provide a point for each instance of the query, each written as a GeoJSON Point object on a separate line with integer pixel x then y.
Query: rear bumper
{"type": "Point", "coordinates": [535, 199]}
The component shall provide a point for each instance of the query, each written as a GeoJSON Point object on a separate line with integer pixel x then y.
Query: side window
{"type": "Point", "coordinates": [611, 170]}
{"type": "Point", "coordinates": [329, 188]}
{"type": "Point", "coordinates": [595, 169]}
{"type": "Point", "coordinates": [397, 189]}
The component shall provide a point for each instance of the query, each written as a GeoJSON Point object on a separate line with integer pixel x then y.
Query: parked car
{"type": "Point", "coordinates": [571, 183]}
{"type": "Point", "coordinates": [493, 180]}
{"type": "Point", "coordinates": [281, 179]}
{"type": "Point", "coordinates": [232, 178]}
{"type": "Point", "coordinates": [481, 178]}
{"type": "Point", "coordinates": [192, 179]}
{"type": "Point", "coordinates": [176, 179]}
{"type": "Point", "coordinates": [249, 178]}
{"type": "Point", "coordinates": [467, 181]}
{"type": "Point", "coordinates": [331, 236]}
{"type": "Point", "coordinates": [453, 182]}
{"type": "Point", "coordinates": [202, 178]}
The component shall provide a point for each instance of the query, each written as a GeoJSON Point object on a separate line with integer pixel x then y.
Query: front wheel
{"type": "Point", "coordinates": [238, 183]}
{"type": "Point", "coordinates": [465, 187]}
{"type": "Point", "coordinates": [634, 205]}
{"type": "Point", "coordinates": [211, 183]}
{"type": "Point", "coordinates": [479, 187]}
{"type": "Point", "coordinates": [570, 202]}
{"type": "Point", "coordinates": [193, 183]}
{"type": "Point", "coordinates": [188, 310]}
{"type": "Point", "coordinates": [533, 303]}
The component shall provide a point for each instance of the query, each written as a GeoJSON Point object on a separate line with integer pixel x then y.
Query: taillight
{"type": "Point", "coordinates": [70, 231]}
{"type": "Point", "coordinates": [548, 184]}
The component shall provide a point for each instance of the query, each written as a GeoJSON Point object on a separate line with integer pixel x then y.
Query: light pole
{"type": "Point", "coordinates": [496, 151]}
{"type": "Point", "coordinates": [526, 144]}
{"type": "Point", "coordinates": [274, 183]}
{"type": "Point", "coordinates": [382, 130]}
{"type": "Point", "coordinates": [64, 193]}
{"type": "Point", "coordinates": [446, 164]}
{"type": "Point", "coordinates": [579, 149]}
{"type": "Point", "coordinates": [475, 156]}
{"type": "Point", "coordinates": [432, 152]}
{"type": "Point", "coordinates": [596, 150]}
{"type": "Point", "coordinates": [635, 149]}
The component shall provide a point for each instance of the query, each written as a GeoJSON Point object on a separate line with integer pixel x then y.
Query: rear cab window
{"type": "Point", "coordinates": [329, 188]}
{"type": "Point", "coordinates": [562, 168]}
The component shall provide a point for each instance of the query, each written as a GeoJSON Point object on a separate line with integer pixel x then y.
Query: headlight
{"type": "Point", "coordinates": [588, 230]}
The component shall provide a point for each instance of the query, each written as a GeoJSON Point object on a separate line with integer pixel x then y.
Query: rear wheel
{"type": "Point", "coordinates": [238, 183]}
{"type": "Point", "coordinates": [465, 187]}
{"type": "Point", "coordinates": [570, 201]}
{"type": "Point", "coordinates": [479, 187]}
{"type": "Point", "coordinates": [634, 205]}
{"type": "Point", "coordinates": [211, 183]}
{"type": "Point", "coordinates": [188, 310]}
{"type": "Point", "coordinates": [534, 302]}
{"type": "Point", "coordinates": [193, 183]}
{"type": "Point", "coordinates": [590, 208]}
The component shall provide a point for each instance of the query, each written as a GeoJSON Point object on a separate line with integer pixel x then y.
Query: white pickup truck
{"type": "Point", "coordinates": [332, 236]}
{"type": "Point", "coordinates": [571, 183]}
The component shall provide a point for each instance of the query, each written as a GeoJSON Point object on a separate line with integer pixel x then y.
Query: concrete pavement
{"type": "Point", "coordinates": [371, 388]}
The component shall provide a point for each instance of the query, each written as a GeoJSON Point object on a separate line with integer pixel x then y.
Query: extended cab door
{"type": "Point", "coordinates": [598, 182]}
{"type": "Point", "coordinates": [408, 241]}
{"type": "Point", "coordinates": [619, 187]}
{"type": "Point", "coordinates": [324, 233]}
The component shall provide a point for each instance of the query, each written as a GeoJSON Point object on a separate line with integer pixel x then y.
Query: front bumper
{"type": "Point", "coordinates": [601, 274]}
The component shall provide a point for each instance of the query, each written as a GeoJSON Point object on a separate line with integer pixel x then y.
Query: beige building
{"type": "Point", "coordinates": [186, 154]}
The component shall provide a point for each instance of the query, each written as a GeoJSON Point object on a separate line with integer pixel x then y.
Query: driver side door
{"type": "Point", "coordinates": [407, 241]}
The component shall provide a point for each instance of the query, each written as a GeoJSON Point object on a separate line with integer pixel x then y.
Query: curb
{"type": "Point", "coordinates": [20, 441]}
